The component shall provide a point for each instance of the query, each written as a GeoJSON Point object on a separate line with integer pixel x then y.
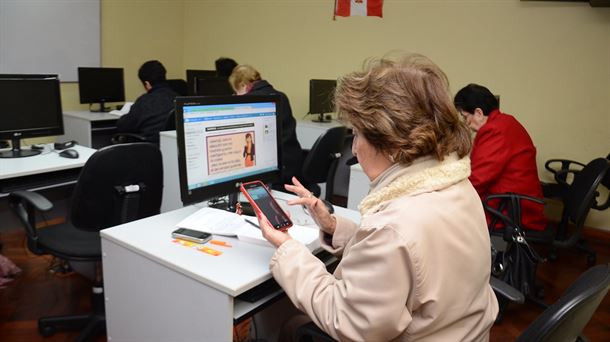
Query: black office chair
{"type": "Point", "coordinates": [126, 138]}
{"type": "Point", "coordinates": [118, 184]}
{"type": "Point", "coordinates": [321, 161]}
{"type": "Point", "coordinates": [577, 202]}
{"type": "Point", "coordinates": [340, 189]}
{"type": "Point", "coordinates": [170, 124]}
{"type": "Point", "coordinates": [562, 170]}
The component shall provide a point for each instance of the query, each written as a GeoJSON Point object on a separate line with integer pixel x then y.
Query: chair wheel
{"type": "Point", "coordinates": [46, 330]}
{"type": "Point", "coordinates": [591, 260]}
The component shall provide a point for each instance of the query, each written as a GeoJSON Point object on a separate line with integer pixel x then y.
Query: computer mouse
{"type": "Point", "coordinates": [69, 153]}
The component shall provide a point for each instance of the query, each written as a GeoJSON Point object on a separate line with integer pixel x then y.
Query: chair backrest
{"type": "Point", "coordinates": [342, 173]}
{"type": "Point", "coordinates": [583, 190]}
{"type": "Point", "coordinates": [322, 154]}
{"type": "Point", "coordinates": [565, 319]}
{"type": "Point", "coordinates": [118, 183]}
{"type": "Point", "coordinates": [170, 124]}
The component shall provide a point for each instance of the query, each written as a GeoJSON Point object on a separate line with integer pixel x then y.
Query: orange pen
{"type": "Point", "coordinates": [220, 243]}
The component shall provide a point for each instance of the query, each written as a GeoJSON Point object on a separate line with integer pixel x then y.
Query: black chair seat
{"type": "Point", "coordinates": [67, 240]}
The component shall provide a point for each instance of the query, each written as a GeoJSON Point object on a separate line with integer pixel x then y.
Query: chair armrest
{"type": "Point", "coordinates": [123, 138]}
{"type": "Point", "coordinates": [567, 166]}
{"type": "Point", "coordinates": [503, 289]}
{"type": "Point", "coordinates": [33, 198]}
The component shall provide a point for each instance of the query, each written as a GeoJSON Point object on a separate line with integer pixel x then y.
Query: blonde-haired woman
{"type": "Point", "coordinates": [245, 80]}
{"type": "Point", "coordinates": [417, 266]}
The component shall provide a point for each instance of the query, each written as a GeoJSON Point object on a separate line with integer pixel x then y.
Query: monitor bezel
{"type": "Point", "coordinates": [25, 133]}
{"type": "Point", "coordinates": [227, 187]}
{"type": "Point", "coordinates": [91, 99]}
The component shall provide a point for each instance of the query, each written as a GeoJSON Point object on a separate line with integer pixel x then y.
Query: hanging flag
{"type": "Point", "coordinates": [347, 8]}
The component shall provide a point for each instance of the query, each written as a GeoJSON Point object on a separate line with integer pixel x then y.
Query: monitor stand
{"type": "Point", "coordinates": [321, 118]}
{"type": "Point", "coordinates": [102, 109]}
{"type": "Point", "coordinates": [16, 151]}
{"type": "Point", "coordinates": [227, 203]}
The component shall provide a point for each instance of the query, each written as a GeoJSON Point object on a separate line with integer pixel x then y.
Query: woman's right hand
{"type": "Point", "coordinates": [317, 209]}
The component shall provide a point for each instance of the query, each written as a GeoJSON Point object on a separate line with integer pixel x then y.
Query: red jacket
{"type": "Point", "coordinates": [503, 159]}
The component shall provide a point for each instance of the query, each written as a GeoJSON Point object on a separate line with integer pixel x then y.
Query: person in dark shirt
{"type": "Point", "coordinates": [149, 113]}
{"type": "Point", "coordinates": [224, 66]}
{"type": "Point", "coordinates": [245, 80]}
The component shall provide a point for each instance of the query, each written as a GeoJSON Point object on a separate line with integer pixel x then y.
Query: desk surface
{"type": "Point", "coordinates": [91, 116]}
{"type": "Point", "coordinates": [237, 270]}
{"type": "Point", "coordinates": [47, 161]}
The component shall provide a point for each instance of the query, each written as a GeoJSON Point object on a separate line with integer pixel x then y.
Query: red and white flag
{"type": "Point", "coordinates": [346, 8]}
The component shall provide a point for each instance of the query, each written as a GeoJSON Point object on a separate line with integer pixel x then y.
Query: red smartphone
{"type": "Point", "coordinates": [263, 202]}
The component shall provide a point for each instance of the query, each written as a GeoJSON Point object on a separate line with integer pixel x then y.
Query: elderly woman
{"type": "Point", "coordinates": [417, 266]}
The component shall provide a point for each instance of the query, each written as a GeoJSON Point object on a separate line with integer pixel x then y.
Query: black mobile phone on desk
{"type": "Point", "coordinates": [262, 202]}
{"type": "Point", "coordinates": [191, 235]}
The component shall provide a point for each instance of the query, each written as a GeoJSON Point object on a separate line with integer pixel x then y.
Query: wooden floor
{"type": "Point", "coordinates": [36, 292]}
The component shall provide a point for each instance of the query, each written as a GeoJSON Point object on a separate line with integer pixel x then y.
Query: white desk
{"type": "Point", "coordinates": [157, 290]}
{"type": "Point", "coordinates": [89, 129]}
{"type": "Point", "coordinates": [309, 131]}
{"type": "Point", "coordinates": [48, 167]}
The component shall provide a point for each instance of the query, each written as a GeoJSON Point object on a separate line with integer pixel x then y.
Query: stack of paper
{"type": "Point", "coordinates": [306, 235]}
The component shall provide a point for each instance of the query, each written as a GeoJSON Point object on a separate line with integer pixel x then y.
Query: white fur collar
{"type": "Point", "coordinates": [423, 175]}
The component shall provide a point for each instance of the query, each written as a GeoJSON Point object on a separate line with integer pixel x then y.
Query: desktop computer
{"type": "Point", "coordinates": [100, 85]}
{"type": "Point", "coordinates": [192, 74]}
{"type": "Point", "coordinates": [31, 107]}
{"type": "Point", "coordinates": [224, 141]}
{"type": "Point", "coordinates": [321, 98]}
{"type": "Point", "coordinates": [212, 86]}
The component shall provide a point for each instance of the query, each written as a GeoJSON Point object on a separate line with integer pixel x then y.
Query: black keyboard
{"type": "Point", "coordinates": [39, 180]}
{"type": "Point", "coordinates": [270, 286]}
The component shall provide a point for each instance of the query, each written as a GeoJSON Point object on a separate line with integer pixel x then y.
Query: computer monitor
{"type": "Point", "coordinates": [212, 134]}
{"type": "Point", "coordinates": [178, 86]}
{"type": "Point", "coordinates": [30, 107]}
{"type": "Point", "coordinates": [213, 86]}
{"type": "Point", "coordinates": [191, 74]}
{"type": "Point", "coordinates": [101, 85]}
{"type": "Point", "coordinates": [321, 98]}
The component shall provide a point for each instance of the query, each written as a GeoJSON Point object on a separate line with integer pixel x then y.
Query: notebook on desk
{"type": "Point", "coordinates": [221, 222]}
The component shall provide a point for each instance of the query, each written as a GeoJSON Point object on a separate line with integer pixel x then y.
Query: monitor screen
{"type": "Point", "coordinates": [226, 140]}
{"type": "Point", "coordinates": [321, 96]}
{"type": "Point", "coordinates": [213, 86]}
{"type": "Point", "coordinates": [31, 107]}
{"type": "Point", "coordinates": [190, 78]}
{"type": "Point", "coordinates": [100, 85]}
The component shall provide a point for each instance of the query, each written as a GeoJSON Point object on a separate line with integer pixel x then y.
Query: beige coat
{"type": "Point", "coordinates": [416, 269]}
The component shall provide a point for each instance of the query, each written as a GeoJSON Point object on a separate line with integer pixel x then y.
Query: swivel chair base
{"type": "Point", "coordinates": [91, 324]}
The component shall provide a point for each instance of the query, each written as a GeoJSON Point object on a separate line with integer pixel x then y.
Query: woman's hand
{"type": "Point", "coordinates": [317, 210]}
{"type": "Point", "coordinates": [274, 236]}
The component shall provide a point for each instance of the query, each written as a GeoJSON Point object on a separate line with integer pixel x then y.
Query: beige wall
{"type": "Point", "coordinates": [550, 61]}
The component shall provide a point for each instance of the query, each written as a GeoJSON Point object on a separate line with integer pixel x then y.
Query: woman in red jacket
{"type": "Point", "coordinates": [503, 157]}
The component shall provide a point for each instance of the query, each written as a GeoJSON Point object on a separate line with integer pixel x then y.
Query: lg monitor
{"type": "Point", "coordinates": [31, 107]}
{"type": "Point", "coordinates": [191, 74]}
{"type": "Point", "coordinates": [100, 85]}
{"type": "Point", "coordinates": [213, 86]}
{"type": "Point", "coordinates": [224, 141]}
{"type": "Point", "coordinates": [321, 98]}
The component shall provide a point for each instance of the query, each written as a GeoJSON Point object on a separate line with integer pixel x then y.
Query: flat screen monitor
{"type": "Point", "coordinates": [321, 97]}
{"type": "Point", "coordinates": [191, 74]}
{"type": "Point", "coordinates": [101, 85]}
{"type": "Point", "coordinates": [31, 107]}
{"type": "Point", "coordinates": [224, 141]}
{"type": "Point", "coordinates": [213, 86]}
{"type": "Point", "coordinates": [178, 86]}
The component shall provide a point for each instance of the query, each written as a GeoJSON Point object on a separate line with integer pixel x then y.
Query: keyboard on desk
{"type": "Point", "coordinates": [41, 180]}
{"type": "Point", "coordinates": [270, 286]}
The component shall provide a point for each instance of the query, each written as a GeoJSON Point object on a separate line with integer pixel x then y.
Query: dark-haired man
{"type": "Point", "coordinates": [503, 157]}
{"type": "Point", "coordinates": [148, 115]}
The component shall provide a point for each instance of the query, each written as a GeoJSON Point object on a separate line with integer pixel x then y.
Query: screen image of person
{"type": "Point", "coordinates": [220, 141]}
{"type": "Point", "coordinates": [249, 151]}
{"type": "Point", "coordinates": [417, 266]}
